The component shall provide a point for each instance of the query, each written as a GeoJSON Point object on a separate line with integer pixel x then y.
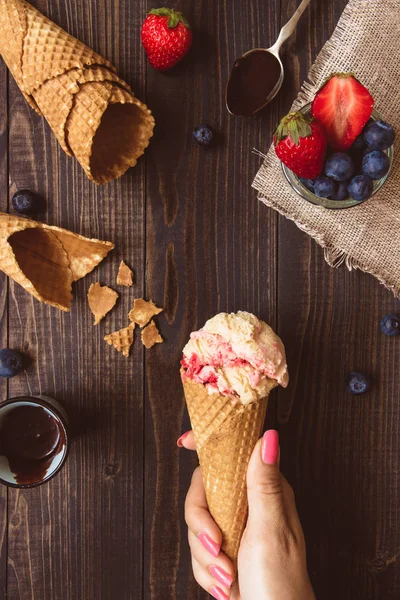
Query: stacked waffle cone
{"type": "Point", "coordinates": [93, 113]}
{"type": "Point", "coordinates": [226, 432]}
{"type": "Point", "coordinates": [46, 260]}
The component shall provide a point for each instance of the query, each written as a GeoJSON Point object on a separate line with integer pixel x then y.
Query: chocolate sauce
{"type": "Point", "coordinates": [252, 80]}
{"type": "Point", "coordinates": [30, 438]}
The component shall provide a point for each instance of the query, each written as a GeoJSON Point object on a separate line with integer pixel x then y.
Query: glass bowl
{"type": "Point", "coordinates": [302, 191]}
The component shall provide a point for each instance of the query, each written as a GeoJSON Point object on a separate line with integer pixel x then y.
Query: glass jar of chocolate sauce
{"type": "Point", "coordinates": [33, 440]}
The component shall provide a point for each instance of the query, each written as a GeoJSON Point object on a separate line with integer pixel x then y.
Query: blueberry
{"type": "Point", "coordinates": [390, 325]}
{"type": "Point", "coordinates": [359, 144]}
{"type": "Point", "coordinates": [26, 202]}
{"type": "Point", "coordinates": [308, 183]}
{"type": "Point", "coordinates": [324, 186]}
{"type": "Point", "coordinates": [360, 187]}
{"type": "Point", "coordinates": [342, 192]}
{"type": "Point", "coordinates": [379, 135]}
{"type": "Point", "coordinates": [204, 135]}
{"type": "Point", "coordinates": [357, 383]}
{"type": "Point", "coordinates": [339, 166]}
{"type": "Point", "coordinates": [11, 362]}
{"type": "Point", "coordinates": [375, 164]}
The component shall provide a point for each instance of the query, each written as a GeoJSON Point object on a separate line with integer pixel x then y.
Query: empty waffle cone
{"type": "Point", "coordinates": [93, 113]}
{"type": "Point", "coordinates": [108, 129]}
{"type": "Point", "coordinates": [46, 260]}
{"type": "Point", "coordinates": [226, 432]}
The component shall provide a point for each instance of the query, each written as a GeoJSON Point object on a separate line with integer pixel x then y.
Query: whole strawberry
{"type": "Point", "coordinates": [166, 37]}
{"type": "Point", "coordinates": [300, 143]}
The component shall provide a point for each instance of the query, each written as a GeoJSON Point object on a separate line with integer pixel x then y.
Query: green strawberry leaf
{"type": "Point", "coordinates": [174, 16]}
{"type": "Point", "coordinates": [160, 12]}
{"type": "Point", "coordinates": [173, 20]}
{"type": "Point", "coordinates": [293, 132]}
{"type": "Point", "coordinates": [184, 20]}
{"type": "Point", "coordinates": [295, 126]}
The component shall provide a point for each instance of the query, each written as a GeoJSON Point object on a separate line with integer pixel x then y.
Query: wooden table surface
{"type": "Point", "coordinates": [110, 526]}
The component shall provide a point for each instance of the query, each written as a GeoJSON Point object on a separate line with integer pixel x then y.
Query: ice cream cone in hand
{"type": "Point", "coordinates": [46, 260]}
{"type": "Point", "coordinates": [93, 112]}
{"type": "Point", "coordinates": [228, 369]}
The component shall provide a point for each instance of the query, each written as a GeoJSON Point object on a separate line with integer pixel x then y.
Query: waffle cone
{"type": "Point", "coordinates": [108, 129]}
{"type": "Point", "coordinates": [46, 260]}
{"type": "Point", "coordinates": [94, 114]}
{"type": "Point", "coordinates": [226, 432]}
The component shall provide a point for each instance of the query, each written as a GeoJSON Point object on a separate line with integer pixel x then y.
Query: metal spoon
{"type": "Point", "coordinates": [257, 76]}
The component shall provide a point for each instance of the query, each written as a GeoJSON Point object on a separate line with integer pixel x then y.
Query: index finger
{"type": "Point", "coordinates": [187, 441]}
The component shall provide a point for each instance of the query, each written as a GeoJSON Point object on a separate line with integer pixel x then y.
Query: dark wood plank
{"type": "Point", "coordinates": [340, 452]}
{"type": "Point", "coordinates": [210, 248]}
{"type": "Point", "coordinates": [80, 536]}
{"type": "Point", "coordinates": [3, 312]}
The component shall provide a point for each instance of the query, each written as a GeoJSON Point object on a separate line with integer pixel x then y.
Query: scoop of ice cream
{"type": "Point", "coordinates": [236, 354]}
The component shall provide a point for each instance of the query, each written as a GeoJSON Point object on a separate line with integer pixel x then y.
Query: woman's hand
{"type": "Point", "coordinates": [272, 554]}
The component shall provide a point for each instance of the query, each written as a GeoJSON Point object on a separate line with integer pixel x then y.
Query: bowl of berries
{"type": "Point", "coordinates": [337, 151]}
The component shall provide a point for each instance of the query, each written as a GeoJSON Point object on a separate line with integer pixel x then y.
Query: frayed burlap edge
{"type": "Point", "coordinates": [334, 256]}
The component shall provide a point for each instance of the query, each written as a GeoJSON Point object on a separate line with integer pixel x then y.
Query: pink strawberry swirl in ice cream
{"type": "Point", "coordinates": [236, 354]}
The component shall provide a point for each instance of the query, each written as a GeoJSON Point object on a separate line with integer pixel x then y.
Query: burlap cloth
{"type": "Point", "coordinates": [367, 237]}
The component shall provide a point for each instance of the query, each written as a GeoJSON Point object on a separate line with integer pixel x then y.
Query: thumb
{"type": "Point", "coordinates": [264, 483]}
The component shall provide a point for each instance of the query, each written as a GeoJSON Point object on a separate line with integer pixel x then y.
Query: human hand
{"type": "Point", "coordinates": [272, 554]}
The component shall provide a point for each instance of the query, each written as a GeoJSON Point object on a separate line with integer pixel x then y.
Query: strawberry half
{"type": "Point", "coordinates": [344, 106]}
{"type": "Point", "coordinates": [300, 143]}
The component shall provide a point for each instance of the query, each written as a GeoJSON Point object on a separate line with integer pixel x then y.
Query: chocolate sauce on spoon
{"type": "Point", "coordinates": [257, 76]}
{"type": "Point", "coordinates": [252, 80]}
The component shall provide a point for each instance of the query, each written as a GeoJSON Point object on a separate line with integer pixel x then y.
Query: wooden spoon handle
{"type": "Point", "coordinates": [290, 26]}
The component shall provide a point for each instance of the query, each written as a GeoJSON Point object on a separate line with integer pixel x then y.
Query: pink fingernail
{"type": "Point", "coordinates": [179, 442]}
{"type": "Point", "coordinates": [209, 544]}
{"type": "Point", "coordinates": [221, 576]}
{"type": "Point", "coordinates": [270, 447]}
{"type": "Point", "coordinates": [217, 593]}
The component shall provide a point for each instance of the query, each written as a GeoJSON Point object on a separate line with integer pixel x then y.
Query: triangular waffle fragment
{"type": "Point", "coordinates": [101, 300]}
{"type": "Point", "coordinates": [122, 340]}
{"type": "Point", "coordinates": [46, 260]}
{"type": "Point", "coordinates": [125, 275]}
{"type": "Point", "coordinates": [143, 311]}
{"type": "Point", "coordinates": [151, 335]}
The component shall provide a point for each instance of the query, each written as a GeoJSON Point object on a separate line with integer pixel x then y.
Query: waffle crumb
{"type": "Point", "coordinates": [125, 275]}
{"type": "Point", "coordinates": [101, 300]}
{"type": "Point", "coordinates": [122, 340]}
{"type": "Point", "coordinates": [151, 335]}
{"type": "Point", "coordinates": [143, 311]}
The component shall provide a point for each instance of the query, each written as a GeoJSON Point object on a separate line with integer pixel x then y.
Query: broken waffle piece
{"type": "Point", "coordinates": [46, 260]}
{"type": "Point", "coordinates": [101, 300]}
{"type": "Point", "coordinates": [125, 275]}
{"type": "Point", "coordinates": [122, 340]}
{"type": "Point", "coordinates": [151, 335]}
{"type": "Point", "coordinates": [143, 311]}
